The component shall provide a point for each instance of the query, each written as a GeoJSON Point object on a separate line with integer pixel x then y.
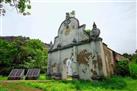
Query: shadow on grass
{"type": "Point", "coordinates": [113, 83]}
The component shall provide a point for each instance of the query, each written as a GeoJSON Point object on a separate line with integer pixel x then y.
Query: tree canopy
{"type": "Point", "coordinates": [20, 5]}
{"type": "Point", "coordinates": [22, 53]}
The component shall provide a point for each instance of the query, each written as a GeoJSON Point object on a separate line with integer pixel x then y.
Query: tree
{"type": "Point", "coordinates": [7, 51]}
{"type": "Point", "coordinates": [20, 5]}
{"type": "Point", "coordinates": [22, 52]}
{"type": "Point", "coordinates": [37, 54]}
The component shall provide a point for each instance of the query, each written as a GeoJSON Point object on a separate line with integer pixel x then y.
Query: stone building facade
{"type": "Point", "coordinates": [79, 53]}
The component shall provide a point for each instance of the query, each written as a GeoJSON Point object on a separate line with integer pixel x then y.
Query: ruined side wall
{"type": "Point", "coordinates": [109, 59]}
{"type": "Point", "coordinates": [119, 57]}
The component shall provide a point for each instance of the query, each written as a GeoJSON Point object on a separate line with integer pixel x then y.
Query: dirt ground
{"type": "Point", "coordinates": [16, 86]}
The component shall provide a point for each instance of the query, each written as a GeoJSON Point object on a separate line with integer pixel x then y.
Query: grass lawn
{"type": "Point", "coordinates": [3, 78]}
{"type": "Point", "coordinates": [113, 84]}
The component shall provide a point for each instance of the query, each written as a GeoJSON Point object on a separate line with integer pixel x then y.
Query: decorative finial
{"type": "Point", "coordinates": [50, 43]}
{"type": "Point", "coordinates": [94, 25]}
{"type": "Point", "coordinates": [67, 15]}
{"type": "Point", "coordinates": [94, 34]}
{"type": "Point", "coordinates": [72, 14]}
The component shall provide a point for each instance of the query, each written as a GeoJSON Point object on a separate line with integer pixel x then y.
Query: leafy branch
{"type": "Point", "coordinates": [21, 6]}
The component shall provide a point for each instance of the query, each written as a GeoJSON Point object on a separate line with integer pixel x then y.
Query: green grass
{"type": "Point", "coordinates": [3, 78]}
{"type": "Point", "coordinates": [67, 86]}
{"type": "Point", "coordinates": [113, 84]}
{"type": "Point", "coordinates": [3, 89]}
{"type": "Point", "coordinates": [42, 77]}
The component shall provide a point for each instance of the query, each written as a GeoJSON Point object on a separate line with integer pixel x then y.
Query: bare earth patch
{"type": "Point", "coordinates": [16, 86]}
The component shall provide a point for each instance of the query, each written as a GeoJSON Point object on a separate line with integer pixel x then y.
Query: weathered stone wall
{"type": "Point", "coordinates": [87, 60]}
{"type": "Point", "coordinates": [53, 61]}
{"type": "Point", "coordinates": [109, 60]}
{"type": "Point", "coordinates": [65, 55]}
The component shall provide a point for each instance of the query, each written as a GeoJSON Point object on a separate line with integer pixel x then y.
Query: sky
{"type": "Point", "coordinates": [116, 20]}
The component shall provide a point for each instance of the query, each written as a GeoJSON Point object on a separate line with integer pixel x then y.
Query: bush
{"type": "Point", "coordinates": [134, 58]}
{"type": "Point", "coordinates": [133, 70]}
{"type": "Point", "coordinates": [122, 68]}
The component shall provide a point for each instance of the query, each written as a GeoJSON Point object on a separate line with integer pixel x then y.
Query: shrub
{"type": "Point", "coordinates": [122, 68]}
{"type": "Point", "coordinates": [134, 58]}
{"type": "Point", "coordinates": [133, 70]}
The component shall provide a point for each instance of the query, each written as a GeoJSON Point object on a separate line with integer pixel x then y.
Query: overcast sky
{"type": "Point", "coordinates": [116, 20]}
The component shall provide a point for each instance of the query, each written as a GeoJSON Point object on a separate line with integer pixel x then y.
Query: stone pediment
{"type": "Point", "coordinates": [70, 32]}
